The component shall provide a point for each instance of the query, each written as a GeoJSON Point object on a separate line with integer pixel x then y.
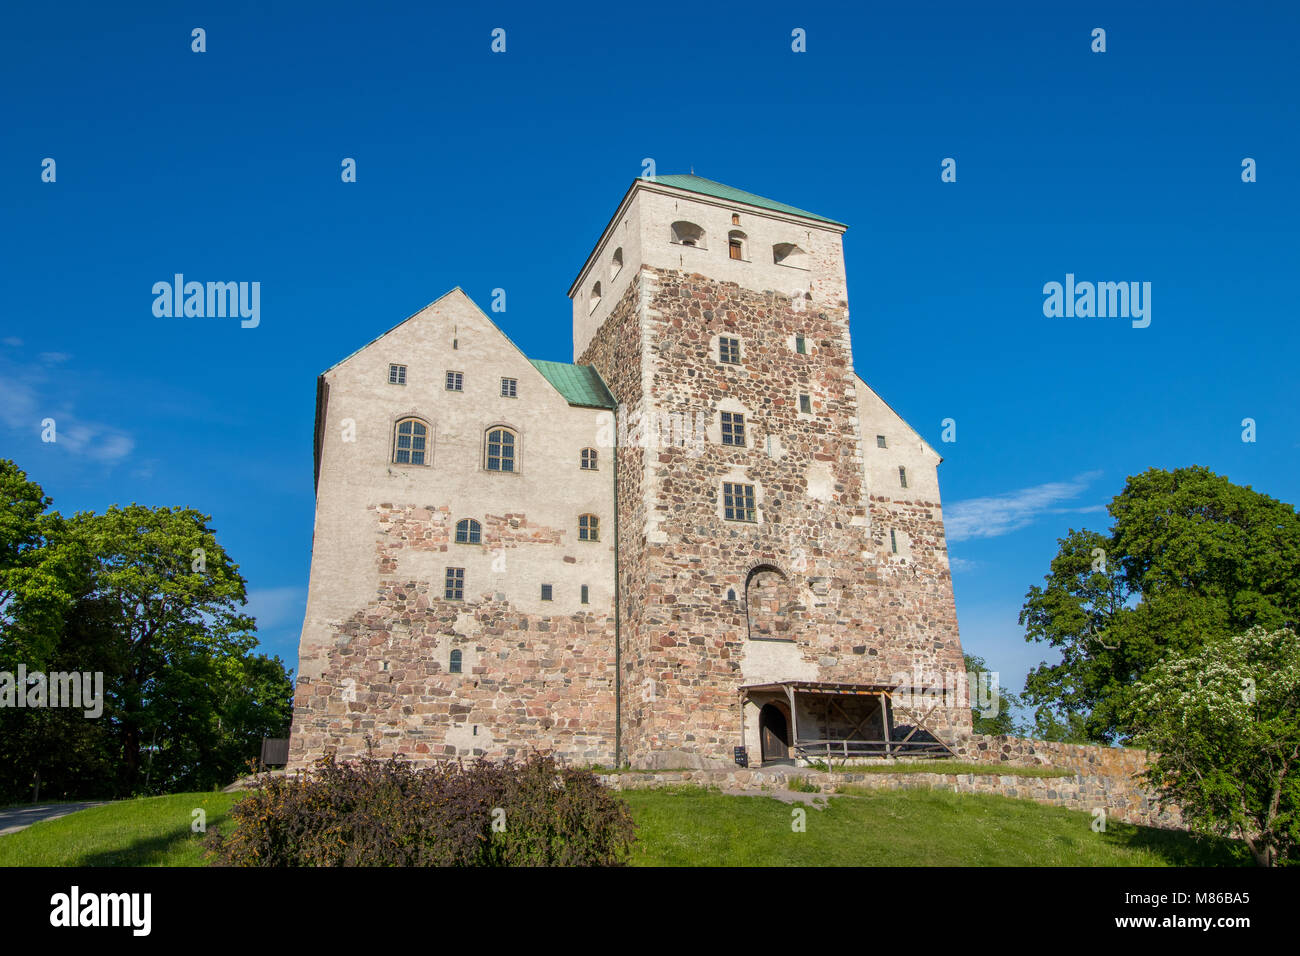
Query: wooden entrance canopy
{"type": "Point", "coordinates": [860, 741]}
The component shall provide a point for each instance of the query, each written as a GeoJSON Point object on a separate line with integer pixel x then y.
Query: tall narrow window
{"type": "Point", "coordinates": [454, 665]}
{"type": "Point", "coordinates": [397, 375]}
{"type": "Point", "coordinates": [410, 442]}
{"type": "Point", "coordinates": [893, 542]}
{"type": "Point", "coordinates": [455, 584]}
{"type": "Point", "coordinates": [902, 476]}
{"type": "Point", "coordinates": [738, 502]}
{"type": "Point", "coordinates": [805, 404]}
{"type": "Point", "coordinates": [588, 528]}
{"type": "Point", "coordinates": [455, 381]}
{"type": "Point", "coordinates": [585, 595]}
{"type": "Point", "coordinates": [510, 388]}
{"type": "Point", "coordinates": [547, 592]}
{"type": "Point", "coordinates": [801, 345]}
{"type": "Point", "coordinates": [733, 428]}
{"type": "Point", "coordinates": [735, 249]}
{"type": "Point", "coordinates": [500, 450]}
{"type": "Point", "coordinates": [468, 531]}
{"type": "Point", "coordinates": [729, 350]}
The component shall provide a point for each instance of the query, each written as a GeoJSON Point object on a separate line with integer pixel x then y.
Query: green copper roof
{"type": "Point", "coordinates": [707, 187]}
{"type": "Point", "coordinates": [579, 384]}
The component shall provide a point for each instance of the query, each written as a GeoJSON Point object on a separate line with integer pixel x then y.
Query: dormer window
{"type": "Point", "coordinates": [687, 234]}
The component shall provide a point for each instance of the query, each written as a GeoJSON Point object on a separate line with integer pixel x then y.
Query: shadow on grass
{"type": "Point", "coordinates": [160, 850]}
{"type": "Point", "coordinates": [1178, 848]}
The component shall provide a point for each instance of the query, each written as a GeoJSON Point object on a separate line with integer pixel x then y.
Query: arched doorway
{"type": "Point", "coordinates": [774, 732]}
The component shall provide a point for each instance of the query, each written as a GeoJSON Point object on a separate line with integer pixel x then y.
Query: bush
{"type": "Point", "coordinates": [389, 813]}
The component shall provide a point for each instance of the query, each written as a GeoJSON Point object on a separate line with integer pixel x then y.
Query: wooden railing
{"type": "Point", "coordinates": [844, 749]}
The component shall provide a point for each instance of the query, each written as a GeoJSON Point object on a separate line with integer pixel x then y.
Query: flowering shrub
{"type": "Point", "coordinates": [388, 813]}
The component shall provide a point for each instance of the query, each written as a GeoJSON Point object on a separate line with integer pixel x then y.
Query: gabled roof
{"type": "Point", "coordinates": [925, 444]}
{"type": "Point", "coordinates": [580, 385]}
{"type": "Point", "coordinates": [707, 187]}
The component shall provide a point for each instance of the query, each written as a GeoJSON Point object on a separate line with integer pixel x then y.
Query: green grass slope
{"type": "Point", "coordinates": [692, 827]}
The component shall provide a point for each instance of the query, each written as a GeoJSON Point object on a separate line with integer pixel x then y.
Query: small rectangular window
{"type": "Point", "coordinates": [733, 428]}
{"type": "Point", "coordinates": [880, 441]}
{"type": "Point", "coordinates": [734, 249]}
{"type": "Point", "coordinates": [893, 542]}
{"type": "Point", "coordinates": [805, 404]}
{"type": "Point", "coordinates": [455, 381]}
{"type": "Point", "coordinates": [585, 595]}
{"type": "Point", "coordinates": [455, 589]}
{"type": "Point", "coordinates": [902, 476]}
{"type": "Point", "coordinates": [509, 387]}
{"type": "Point", "coordinates": [546, 592]}
{"type": "Point", "coordinates": [738, 502]}
{"type": "Point", "coordinates": [589, 459]}
{"type": "Point", "coordinates": [397, 375]}
{"type": "Point", "coordinates": [588, 528]}
{"type": "Point", "coordinates": [800, 345]}
{"type": "Point", "coordinates": [729, 350]}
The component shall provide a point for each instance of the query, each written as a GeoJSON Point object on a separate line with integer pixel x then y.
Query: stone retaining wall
{"type": "Point", "coordinates": [1102, 777]}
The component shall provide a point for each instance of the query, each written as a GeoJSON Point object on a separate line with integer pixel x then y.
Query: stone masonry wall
{"type": "Point", "coordinates": [1101, 777]}
{"type": "Point", "coordinates": [855, 622]}
{"type": "Point", "coordinates": [528, 680]}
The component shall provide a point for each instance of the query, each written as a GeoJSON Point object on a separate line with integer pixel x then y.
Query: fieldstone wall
{"type": "Point", "coordinates": [1102, 777]}
{"type": "Point", "coordinates": [860, 616]}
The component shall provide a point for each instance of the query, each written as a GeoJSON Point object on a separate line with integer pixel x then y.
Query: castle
{"type": "Point", "coordinates": [706, 534]}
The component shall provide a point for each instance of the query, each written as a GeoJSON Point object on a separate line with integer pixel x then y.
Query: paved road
{"type": "Point", "coordinates": [20, 818]}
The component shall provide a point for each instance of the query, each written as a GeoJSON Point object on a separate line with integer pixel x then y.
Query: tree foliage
{"type": "Point", "coordinates": [1225, 721]}
{"type": "Point", "coordinates": [1190, 557]}
{"type": "Point", "coordinates": [148, 598]}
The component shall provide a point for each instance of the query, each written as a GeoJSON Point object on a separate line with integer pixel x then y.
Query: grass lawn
{"type": "Point", "coordinates": [693, 827]}
{"type": "Point", "coordinates": [149, 831]}
{"type": "Point", "coordinates": [683, 827]}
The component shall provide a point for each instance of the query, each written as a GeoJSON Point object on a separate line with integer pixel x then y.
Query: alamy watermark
{"type": "Point", "coordinates": [1102, 300]}
{"type": "Point", "coordinates": [212, 300]}
{"type": "Point", "coordinates": [84, 691]}
{"type": "Point", "coordinates": [956, 689]}
{"type": "Point", "coordinates": [642, 429]}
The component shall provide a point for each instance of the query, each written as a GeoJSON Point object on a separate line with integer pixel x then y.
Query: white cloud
{"type": "Point", "coordinates": [12, 341]}
{"type": "Point", "coordinates": [24, 404]}
{"type": "Point", "coordinates": [54, 358]}
{"type": "Point", "coordinates": [962, 564]}
{"type": "Point", "coordinates": [997, 515]}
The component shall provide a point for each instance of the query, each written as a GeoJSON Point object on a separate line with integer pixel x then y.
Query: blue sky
{"type": "Point", "coordinates": [225, 165]}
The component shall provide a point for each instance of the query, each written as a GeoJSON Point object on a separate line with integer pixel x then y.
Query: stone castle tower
{"type": "Point", "coordinates": [707, 533]}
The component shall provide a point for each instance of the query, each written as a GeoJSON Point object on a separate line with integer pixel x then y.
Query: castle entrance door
{"type": "Point", "coordinates": [774, 732]}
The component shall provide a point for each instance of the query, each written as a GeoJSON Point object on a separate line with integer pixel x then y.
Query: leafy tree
{"type": "Point", "coordinates": [163, 592]}
{"type": "Point", "coordinates": [1225, 721]}
{"type": "Point", "coordinates": [35, 576]}
{"type": "Point", "coordinates": [1002, 723]}
{"type": "Point", "coordinates": [149, 599]}
{"type": "Point", "coordinates": [1189, 557]}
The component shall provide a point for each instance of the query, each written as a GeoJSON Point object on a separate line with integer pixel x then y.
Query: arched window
{"type": "Point", "coordinates": [454, 666]}
{"type": "Point", "coordinates": [411, 442]}
{"type": "Point", "coordinates": [500, 449]}
{"type": "Point", "coordinates": [736, 242]}
{"type": "Point", "coordinates": [788, 254]}
{"type": "Point", "coordinates": [468, 531]}
{"type": "Point", "coordinates": [595, 298]}
{"type": "Point", "coordinates": [770, 601]}
{"type": "Point", "coordinates": [589, 459]}
{"type": "Point", "coordinates": [616, 263]}
{"type": "Point", "coordinates": [687, 234]}
{"type": "Point", "coordinates": [588, 528]}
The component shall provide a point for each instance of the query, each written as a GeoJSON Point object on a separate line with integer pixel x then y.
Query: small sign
{"type": "Point", "coordinates": [742, 757]}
